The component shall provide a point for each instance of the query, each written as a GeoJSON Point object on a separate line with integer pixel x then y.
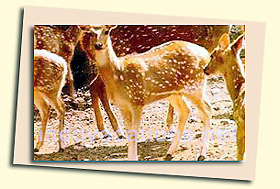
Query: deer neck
{"type": "Point", "coordinates": [234, 78]}
{"type": "Point", "coordinates": [107, 62]}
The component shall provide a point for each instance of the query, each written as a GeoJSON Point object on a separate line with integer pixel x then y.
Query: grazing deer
{"type": "Point", "coordinates": [225, 60]}
{"type": "Point", "coordinates": [49, 77]}
{"type": "Point", "coordinates": [169, 71]}
{"type": "Point", "coordinates": [62, 42]}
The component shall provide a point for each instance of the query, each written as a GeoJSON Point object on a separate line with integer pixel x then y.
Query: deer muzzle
{"type": "Point", "coordinates": [98, 46]}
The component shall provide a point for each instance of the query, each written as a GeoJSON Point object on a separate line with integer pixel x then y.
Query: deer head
{"type": "Point", "coordinates": [95, 38]}
{"type": "Point", "coordinates": [225, 55]}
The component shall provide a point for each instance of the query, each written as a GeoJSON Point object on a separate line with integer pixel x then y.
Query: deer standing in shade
{"type": "Point", "coordinates": [170, 71]}
{"type": "Point", "coordinates": [226, 60]}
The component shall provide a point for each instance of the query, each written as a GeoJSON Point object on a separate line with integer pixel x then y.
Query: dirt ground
{"type": "Point", "coordinates": [80, 128]}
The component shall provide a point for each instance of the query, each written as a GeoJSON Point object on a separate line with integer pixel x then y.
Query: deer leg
{"type": "Point", "coordinates": [70, 81]}
{"type": "Point", "coordinates": [97, 112]}
{"type": "Point", "coordinates": [127, 116]}
{"type": "Point", "coordinates": [181, 107]}
{"type": "Point", "coordinates": [44, 111]}
{"type": "Point", "coordinates": [96, 91]}
{"type": "Point", "coordinates": [170, 117]}
{"type": "Point", "coordinates": [204, 111]}
{"type": "Point", "coordinates": [132, 133]}
{"type": "Point", "coordinates": [106, 104]}
{"type": "Point", "coordinates": [59, 106]}
{"type": "Point", "coordinates": [240, 139]}
{"type": "Point", "coordinates": [99, 118]}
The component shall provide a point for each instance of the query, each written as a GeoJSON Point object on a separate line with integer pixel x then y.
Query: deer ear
{"type": "Point", "coordinates": [224, 41]}
{"type": "Point", "coordinates": [237, 44]}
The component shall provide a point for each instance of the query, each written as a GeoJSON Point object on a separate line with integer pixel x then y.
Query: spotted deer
{"type": "Point", "coordinates": [225, 60]}
{"type": "Point", "coordinates": [62, 40]}
{"type": "Point", "coordinates": [169, 71]}
{"type": "Point", "coordinates": [49, 77]}
{"type": "Point", "coordinates": [129, 39]}
{"type": "Point", "coordinates": [59, 41]}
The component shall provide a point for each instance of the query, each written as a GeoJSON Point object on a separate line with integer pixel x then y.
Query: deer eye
{"type": "Point", "coordinates": [106, 32]}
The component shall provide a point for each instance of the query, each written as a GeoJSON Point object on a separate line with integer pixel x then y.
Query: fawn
{"type": "Point", "coordinates": [225, 60]}
{"type": "Point", "coordinates": [62, 42]}
{"type": "Point", "coordinates": [169, 71]}
{"type": "Point", "coordinates": [49, 77]}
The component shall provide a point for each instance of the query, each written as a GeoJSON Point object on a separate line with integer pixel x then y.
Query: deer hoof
{"type": "Point", "coordinates": [61, 150]}
{"type": "Point", "coordinates": [201, 158]}
{"type": "Point", "coordinates": [36, 150]}
{"type": "Point", "coordinates": [168, 157]}
{"type": "Point", "coordinates": [121, 137]}
{"type": "Point", "coordinates": [106, 136]}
